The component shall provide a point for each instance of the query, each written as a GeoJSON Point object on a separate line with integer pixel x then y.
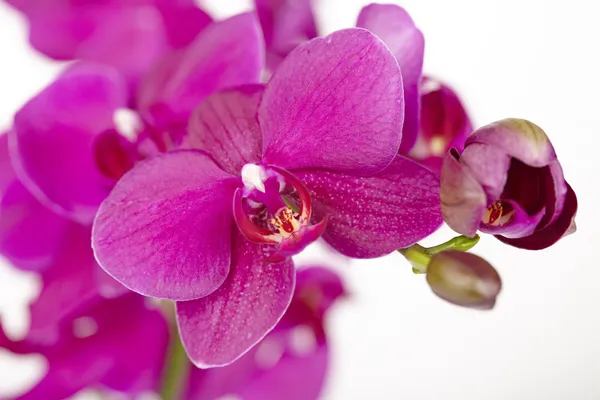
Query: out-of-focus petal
{"type": "Point", "coordinates": [395, 27]}
{"type": "Point", "coordinates": [225, 126]}
{"type": "Point", "coordinates": [462, 197]}
{"type": "Point", "coordinates": [372, 217]}
{"type": "Point", "coordinates": [285, 25]}
{"type": "Point", "coordinates": [444, 124]}
{"type": "Point", "coordinates": [127, 35]}
{"type": "Point", "coordinates": [225, 54]}
{"type": "Point", "coordinates": [296, 347]}
{"type": "Point", "coordinates": [165, 229]}
{"type": "Point", "coordinates": [52, 139]}
{"type": "Point", "coordinates": [519, 138]}
{"type": "Point", "coordinates": [334, 103]}
{"type": "Point", "coordinates": [120, 345]}
{"type": "Point", "coordinates": [547, 236]}
{"type": "Point", "coordinates": [218, 329]}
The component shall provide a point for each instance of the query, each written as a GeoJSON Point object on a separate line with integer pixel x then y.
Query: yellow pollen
{"type": "Point", "coordinates": [285, 222]}
{"type": "Point", "coordinates": [437, 145]}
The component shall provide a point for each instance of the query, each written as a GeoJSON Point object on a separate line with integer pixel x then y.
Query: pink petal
{"type": "Point", "coordinates": [371, 217]}
{"type": "Point", "coordinates": [165, 229]}
{"type": "Point", "coordinates": [30, 233]}
{"type": "Point", "coordinates": [285, 24]}
{"type": "Point", "coordinates": [218, 329]}
{"type": "Point", "coordinates": [444, 124]}
{"type": "Point", "coordinates": [462, 198]}
{"type": "Point", "coordinates": [121, 347]}
{"type": "Point", "coordinates": [70, 285]}
{"type": "Point", "coordinates": [395, 27]}
{"type": "Point", "coordinates": [53, 135]}
{"type": "Point", "coordinates": [225, 54]}
{"type": "Point", "coordinates": [225, 126]}
{"type": "Point", "coordinates": [297, 347]}
{"type": "Point", "coordinates": [547, 236]}
{"type": "Point", "coordinates": [326, 108]}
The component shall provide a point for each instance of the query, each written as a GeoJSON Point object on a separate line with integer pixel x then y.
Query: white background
{"type": "Point", "coordinates": [393, 339]}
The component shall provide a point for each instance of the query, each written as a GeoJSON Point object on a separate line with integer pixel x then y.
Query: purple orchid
{"type": "Point", "coordinates": [118, 345]}
{"type": "Point", "coordinates": [127, 35]}
{"type": "Point", "coordinates": [268, 169]}
{"type": "Point", "coordinates": [508, 182]}
{"type": "Point", "coordinates": [34, 238]}
{"type": "Point", "coordinates": [292, 361]}
{"type": "Point", "coordinates": [64, 143]}
{"type": "Point", "coordinates": [444, 124]}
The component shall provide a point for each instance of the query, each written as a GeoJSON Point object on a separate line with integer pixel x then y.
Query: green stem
{"type": "Point", "coordinates": [420, 256]}
{"type": "Point", "coordinates": [177, 368]}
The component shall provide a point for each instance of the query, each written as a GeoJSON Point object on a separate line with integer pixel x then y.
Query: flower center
{"type": "Point", "coordinates": [275, 208]}
{"type": "Point", "coordinates": [498, 214]}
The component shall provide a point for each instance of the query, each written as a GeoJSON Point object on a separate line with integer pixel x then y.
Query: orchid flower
{"type": "Point", "coordinates": [64, 142]}
{"type": "Point", "coordinates": [508, 182]}
{"type": "Point", "coordinates": [127, 35]}
{"type": "Point", "coordinates": [268, 171]}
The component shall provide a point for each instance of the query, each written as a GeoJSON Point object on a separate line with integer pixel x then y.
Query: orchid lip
{"type": "Point", "coordinates": [275, 208]}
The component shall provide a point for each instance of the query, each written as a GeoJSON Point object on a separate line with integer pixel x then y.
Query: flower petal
{"type": "Point", "coordinates": [225, 126]}
{"type": "Point", "coordinates": [225, 54]}
{"type": "Point", "coordinates": [165, 229]}
{"type": "Point", "coordinates": [120, 344]}
{"type": "Point", "coordinates": [395, 27]}
{"type": "Point", "coordinates": [520, 138]}
{"type": "Point", "coordinates": [444, 124]}
{"type": "Point", "coordinates": [285, 25]}
{"type": "Point", "coordinates": [29, 232]}
{"type": "Point", "coordinates": [489, 165]}
{"type": "Point", "coordinates": [462, 198]}
{"type": "Point", "coordinates": [218, 329]}
{"type": "Point", "coordinates": [520, 224]}
{"type": "Point", "coordinates": [183, 21]}
{"type": "Point", "coordinates": [547, 236]}
{"type": "Point", "coordinates": [371, 217]}
{"type": "Point", "coordinates": [53, 135]}
{"type": "Point", "coordinates": [334, 103]}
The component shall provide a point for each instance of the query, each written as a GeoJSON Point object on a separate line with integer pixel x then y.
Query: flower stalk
{"type": "Point", "coordinates": [177, 367]}
{"type": "Point", "coordinates": [420, 256]}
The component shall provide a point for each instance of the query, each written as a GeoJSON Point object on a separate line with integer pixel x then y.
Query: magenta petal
{"type": "Point", "coordinates": [395, 27]}
{"type": "Point", "coordinates": [547, 236]}
{"type": "Point", "coordinates": [444, 124]}
{"type": "Point", "coordinates": [326, 108]}
{"type": "Point", "coordinates": [285, 25]}
{"type": "Point", "coordinates": [29, 232]}
{"type": "Point", "coordinates": [165, 229]}
{"type": "Point", "coordinates": [225, 54]}
{"type": "Point", "coordinates": [371, 217]}
{"type": "Point", "coordinates": [69, 285]}
{"type": "Point", "coordinates": [225, 126]}
{"type": "Point", "coordinates": [520, 224]}
{"type": "Point", "coordinates": [119, 345]}
{"type": "Point", "coordinates": [183, 21]}
{"type": "Point", "coordinates": [53, 135]}
{"type": "Point", "coordinates": [218, 329]}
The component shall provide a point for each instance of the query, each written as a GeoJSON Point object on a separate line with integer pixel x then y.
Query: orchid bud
{"type": "Point", "coordinates": [464, 279]}
{"type": "Point", "coordinates": [508, 182]}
